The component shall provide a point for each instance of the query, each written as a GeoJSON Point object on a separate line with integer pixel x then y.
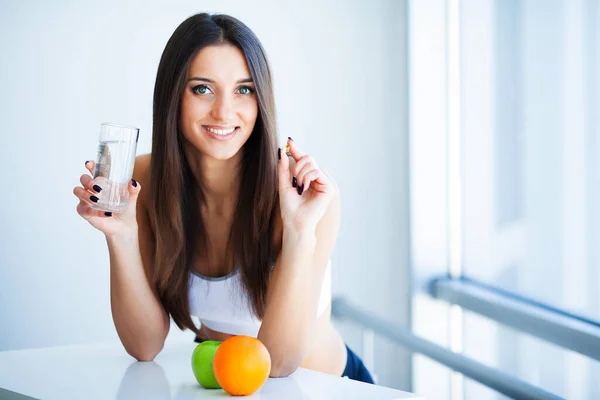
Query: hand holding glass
{"type": "Point", "coordinates": [114, 165]}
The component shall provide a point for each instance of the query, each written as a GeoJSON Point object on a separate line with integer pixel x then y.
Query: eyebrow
{"type": "Point", "coordinates": [201, 79]}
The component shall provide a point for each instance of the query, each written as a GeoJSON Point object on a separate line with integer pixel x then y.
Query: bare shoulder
{"type": "Point", "coordinates": [141, 170]}
{"type": "Point", "coordinates": [141, 173]}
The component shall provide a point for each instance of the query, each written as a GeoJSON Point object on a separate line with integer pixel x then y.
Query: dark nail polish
{"type": "Point", "coordinates": [94, 199]}
{"type": "Point", "coordinates": [279, 153]}
{"type": "Point", "coordinates": [300, 189]}
{"type": "Point", "coordinates": [86, 163]}
{"type": "Point", "coordinates": [108, 214]}
{"type": "Point", "coordinates": [294, 182]}
{"type": "Point", "coordinates": [97, 188]}
{"type": "Point", "coordinates": [134, 183]}
{"type": "Point", "coordinates": [290, 138]}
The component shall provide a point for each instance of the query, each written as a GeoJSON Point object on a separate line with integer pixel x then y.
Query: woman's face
{"type": "Point", "coordinates": [219, 105]}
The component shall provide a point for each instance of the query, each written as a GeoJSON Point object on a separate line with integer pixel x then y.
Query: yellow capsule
{"type": "Point", "coordinates": [286, 148]}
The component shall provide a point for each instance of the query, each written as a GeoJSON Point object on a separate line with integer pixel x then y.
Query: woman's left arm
{"type": "Point", "coordinates": [310, 213]}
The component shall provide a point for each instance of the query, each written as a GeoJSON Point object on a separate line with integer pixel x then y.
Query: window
{"type": "Point", "coordinates": [531, 149]}
{"type": "Point", "coordinates": [505, 180]}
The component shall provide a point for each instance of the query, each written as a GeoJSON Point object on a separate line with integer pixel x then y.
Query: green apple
{"type": "Point", "coordinates": [202, 364]}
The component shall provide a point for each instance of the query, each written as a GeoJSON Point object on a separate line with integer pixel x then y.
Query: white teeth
{"type": "Point", "coordinates": [220, 132]}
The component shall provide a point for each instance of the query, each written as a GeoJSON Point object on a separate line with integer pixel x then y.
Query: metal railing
{"type": "Point", "coordinates": [543, 321]}
{"type": "Point", "coordinates": [488, 376]}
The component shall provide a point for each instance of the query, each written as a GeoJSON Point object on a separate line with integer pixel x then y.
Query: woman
{"type": "Point", "coordinates": [230, 228]}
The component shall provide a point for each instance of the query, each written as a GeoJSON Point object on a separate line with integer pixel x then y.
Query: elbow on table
{"type": "Point", "coordinates": [283, 368]}
{"type": "Point", "coordinates": [144, 357]}
{"type": "Point", "coordinates": [144, 354]}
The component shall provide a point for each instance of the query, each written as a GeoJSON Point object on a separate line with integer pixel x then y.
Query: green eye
{"type": "Point", "coordinates": [200, 89]}
{"type": "Point", "coordinates": [246, 90]}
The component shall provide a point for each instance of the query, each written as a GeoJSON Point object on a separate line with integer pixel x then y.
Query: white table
{"type": "Point", "coordinates": [106, 371]}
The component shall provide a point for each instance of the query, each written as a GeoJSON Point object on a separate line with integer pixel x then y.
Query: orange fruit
{"type": "Point", "coordinates": [241, 365]}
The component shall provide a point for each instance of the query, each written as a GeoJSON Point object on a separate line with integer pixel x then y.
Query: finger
{"type": "Point", "coordinates": [304, 182]}
{"type": "Point", "coordinates": [283, 170]}
{"type": "Point", "coordinates": [90, 166]}
{"type": "Point", "coordinates": [301, 163]}
{"type": "Point", "coordinates": [134, 188]}
{"type": "Point", "coordinates": [88, 212]}
{"type": "Point", "coordinates": [91, 185]}
{"type": "Point", "coordinates": [316, 179]}
{"type": "Point", "coordinates": [295, 151]}
{"type": "Point", "coordinates": [308, 166]}
{"type": "Point", "coordinates": [84, 195]}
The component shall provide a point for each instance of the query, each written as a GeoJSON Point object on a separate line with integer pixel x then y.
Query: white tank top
{"type": "Point", "coordinates": [221, 304]}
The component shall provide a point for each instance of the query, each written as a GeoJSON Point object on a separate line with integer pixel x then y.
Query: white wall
{"type": "Point", "coordinates": [66, 66]}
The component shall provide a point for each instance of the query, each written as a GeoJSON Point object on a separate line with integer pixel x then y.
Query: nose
{"type": "Point", "coordinates": [223, 109]}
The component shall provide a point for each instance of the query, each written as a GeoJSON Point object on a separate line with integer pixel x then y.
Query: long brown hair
{"type": "Point", "coordinates": [174, 198]}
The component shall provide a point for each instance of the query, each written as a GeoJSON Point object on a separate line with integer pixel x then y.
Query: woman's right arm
{"type": "Point", "coordinates": [140, 320]}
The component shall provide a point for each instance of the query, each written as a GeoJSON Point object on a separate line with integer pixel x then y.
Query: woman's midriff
{"type": "Point", "coordinates": [328, 354]}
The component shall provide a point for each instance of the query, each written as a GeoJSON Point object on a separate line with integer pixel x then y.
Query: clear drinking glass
{"type": "Point", "coordinates": [114, 165]}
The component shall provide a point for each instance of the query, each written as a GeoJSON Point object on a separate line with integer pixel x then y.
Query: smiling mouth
{"type": "Point", "coordinates": [220, 132]}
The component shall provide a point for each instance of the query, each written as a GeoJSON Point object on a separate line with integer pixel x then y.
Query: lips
{"type": "Point", "coordinates": [221, 133]}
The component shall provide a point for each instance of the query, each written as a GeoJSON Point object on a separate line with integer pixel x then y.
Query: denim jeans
{"type": "Point", "coordinates": [355, 369]}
